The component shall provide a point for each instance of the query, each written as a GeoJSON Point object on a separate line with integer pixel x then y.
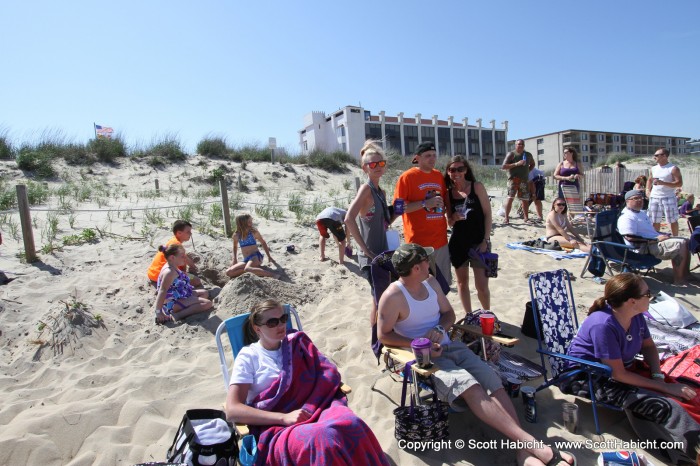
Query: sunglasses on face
{"type": "Point", "coordinates": [275, 321]}
{"type": "Point", "coordinates": [646, 295]}
{"type": "Point", "coordinates": [560, 204]}
{"type": "Point", "coordinates": [373, 165]}
{"type": "Point", "coordinates": [461, 169]}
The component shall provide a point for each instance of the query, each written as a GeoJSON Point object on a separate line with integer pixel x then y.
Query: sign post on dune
{"type": "Point", "coordinates": [272, 144]}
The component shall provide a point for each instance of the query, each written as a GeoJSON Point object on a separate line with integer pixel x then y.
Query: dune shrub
{"type": "Point", "coordinates": [334, 162]}
{"type": "Point", "coordinates": [6, 151]}
{"type": "Point", "coordinates": [37, 161]}
{"type": "Point", "coordinates": [107, 150]}
{"type": "Point", "coordinates": [213, 147]}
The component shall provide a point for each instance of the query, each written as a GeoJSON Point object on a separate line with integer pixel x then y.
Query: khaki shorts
{"type": "Point", "coordinates": [460, 369]}
{"type": "Point", "coordinates": [667, 249]}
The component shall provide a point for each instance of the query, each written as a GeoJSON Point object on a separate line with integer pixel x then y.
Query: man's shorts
{"type": "Point", "coordinates": [441, 258]}
{"type": "Point", "coordinates": [518, 188]}
{"type": "Point", "coordinates": [668, 249]}
{"type": "Point", "coordinates": [539, 189]}
{"type": "Point", "coordinates": [460, 369]}
{"type": "Point", "coordinates": [334, 226]}
{"type": "Point", "coordinates": [660, 207]}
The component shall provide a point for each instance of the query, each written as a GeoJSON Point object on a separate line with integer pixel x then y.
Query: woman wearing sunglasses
{"type": "Point", "coordinates": [288, 393]}
{"type": "Point", "coordinates": [558, 228]}
{"type": "Point", "coordinates": [613, 334]}
{"type": "Point", "coordinates": [568, 172]}
{"type": "Point", "coordinates": [371, 207]}
{"type": "Point", "coordinates": [469, 215]}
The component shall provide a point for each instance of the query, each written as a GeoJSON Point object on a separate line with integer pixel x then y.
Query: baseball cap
{"type": "Point", "coordinates": [423, 147]}
{"type": "Point", "coordinates": [407, 255]}
{"type": "Point", "coordinates": [634, 192]}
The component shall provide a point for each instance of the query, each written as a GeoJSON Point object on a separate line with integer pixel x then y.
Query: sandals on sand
{"type": "Point", "coordinates": [557, 458]}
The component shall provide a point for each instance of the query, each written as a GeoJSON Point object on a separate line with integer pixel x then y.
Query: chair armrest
{"type": "Point", "coordinates": [639, 239]}
{"type": "Point", "coordinates": [402, 355]}
{"type": "Point", "coordinates": [602, 368]}
{"type": "Point", "coordinates": [242, 429]}
{"type": "Point", "coordinates": [345, 388]}
{"type": "Point", "coordinates": [499, 338]}
{"type": "Point", "coordinates": [615, 245]}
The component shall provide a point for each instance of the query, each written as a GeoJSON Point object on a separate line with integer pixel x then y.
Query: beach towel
{"type": "Point", "coordinates": [558, 255]}
{"type": "Point", "coordinates": [333, 434]}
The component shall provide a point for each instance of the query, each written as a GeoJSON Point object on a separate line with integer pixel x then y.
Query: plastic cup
{"type": "Point", "coordinates": [569, 412]}
{"type": "Point", "coordinates": [487, 323]}
{"type": "Point", "coordinates": [421, 351]}
{"type": "Point", "coordinates": [461, 209]}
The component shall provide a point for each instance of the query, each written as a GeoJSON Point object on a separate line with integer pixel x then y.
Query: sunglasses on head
{"type": "Point", "coordinates": [380, 163]}
{"type": "Point", "coordinates": [461, 169]}
{"type": "Point", "coordinates": [275, 321]}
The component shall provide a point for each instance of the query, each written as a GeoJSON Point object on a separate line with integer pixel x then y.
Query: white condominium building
{"type": "Point", "coordinates": [347, 129]}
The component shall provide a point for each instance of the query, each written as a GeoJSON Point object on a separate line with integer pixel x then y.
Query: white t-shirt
{"type": "Point", "coordinates": [636, 223]}
{"type": "Point", "coordinates": [256, 366]}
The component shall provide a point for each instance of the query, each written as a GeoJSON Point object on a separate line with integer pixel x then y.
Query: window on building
{"type": "Point", "coordinates": [616, 138]}
{"type": "Point", "coordinates": [410, 138]}
{"type": "Point", "coordinates": [601, 149]}
{"type": "Point", "coordinates": [630, 149]}
{"type": "Point", "coordinates": [668, 141]}
{"type": "Point", "coordinates": [585, 158]}
{"type": "Point", "coordinates": [474, 148]}
{"type": "Point", "coordinates": [501, 136]}
{"type": "Point", "coordinates": [444, 141]}
{"type": "Point", "coordinates": [540, 151]}
{"type": "Point", "coordinates": [601, 137]}
{"type": "Point", "coordinates": [427, 132]}
{"type": "Point", "coordinates": [473, 135]}
{"type": "Point", "coordinates": [584, 136]}
{"type": "Point", "coordinates": [306, 145]}
{"type": "Point", "coordinates": [373, 131]}
{"type": "Point", "coordinates": [340, 131]}
{"type": "Point", "coordinates": [540, 162]}
{"type": "Point", "coordinates": [630, 138]}
{"type": "Point", "coordinates": [584, 147]}
{"type": "Point", "coordinates": [393, 136]}
{"type": "Point", "coordinates": [540, 141]}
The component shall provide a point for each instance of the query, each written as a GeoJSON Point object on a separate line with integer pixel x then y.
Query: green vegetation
{"type": "Point", "coordinates": [6, 151]}
{"type": "Point", "coordinates": [107, 150]}
{"type": "Point", "coordinates": [88, 235]}
{"type": "Point", "coordinates": [213, 147]}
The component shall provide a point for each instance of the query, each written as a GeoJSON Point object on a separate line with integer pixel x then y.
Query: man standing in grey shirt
{"type": "Point", "coordinates": [518, 163]}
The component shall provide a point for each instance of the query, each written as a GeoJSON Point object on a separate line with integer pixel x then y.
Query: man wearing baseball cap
{"type": "Point", "coordinates": [636, 227]}
{"type": "Point", "coordinates": [414, 306]}
{"type": "Point", "coordinates": [423, 190]}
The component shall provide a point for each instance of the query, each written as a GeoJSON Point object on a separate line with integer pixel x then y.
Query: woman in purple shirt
{"type": "Point", "coordinates": [615, 331]}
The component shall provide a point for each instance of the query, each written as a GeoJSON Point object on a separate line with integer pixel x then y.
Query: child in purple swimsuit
{"type": "Point", "coordinates": [247, 237]}
{"type": "Point", "coordinates": [176, 298]}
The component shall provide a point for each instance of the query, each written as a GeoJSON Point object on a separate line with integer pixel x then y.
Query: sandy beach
{"type": "Point", "coordinates": [102, 384]}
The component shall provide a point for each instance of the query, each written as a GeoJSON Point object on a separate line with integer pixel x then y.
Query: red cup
{"type": "Point", "coordinates": [487, 323]}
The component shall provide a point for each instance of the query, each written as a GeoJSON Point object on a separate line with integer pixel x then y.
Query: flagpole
{"type": "Point", "coordinates": [94, 128]}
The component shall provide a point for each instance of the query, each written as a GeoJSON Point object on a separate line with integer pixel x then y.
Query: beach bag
{"type": "Point", "coordinates": [596, 266]}
{"type": "Point", "coordinates": [528, 326]}
{"type": "Point", "coordinates": [488, 260]}
{"type": "Point", "coordinates": [684, 367]}
{"type": "Point", "coordinates": [667, 310]}
{"type": "Point", "coordinates": [417, 423]}
{"type": "Point", "coordinates": [204, 438]}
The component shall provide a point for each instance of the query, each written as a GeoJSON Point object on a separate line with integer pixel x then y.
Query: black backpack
{"type": "Point", "coordinates": [186, 447]}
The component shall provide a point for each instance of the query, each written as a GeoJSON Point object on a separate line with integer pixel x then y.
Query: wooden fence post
{"type": "Point", "coordinates": [225, 207]}
{"type": "Point", "coordinates": [357, 183]}
{"type": "Point", "coordinates": [26, 223]}
{"type": "Point", "coordinates": [157, 187]}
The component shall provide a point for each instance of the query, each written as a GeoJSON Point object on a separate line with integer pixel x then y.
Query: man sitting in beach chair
{"type": "Point", "coordinates": [415, 307]}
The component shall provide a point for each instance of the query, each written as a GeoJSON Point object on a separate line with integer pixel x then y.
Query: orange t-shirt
{"type": "Point", "coordinates": [428, 229]}
{"type": "Point", "coordinates": [159, 261]}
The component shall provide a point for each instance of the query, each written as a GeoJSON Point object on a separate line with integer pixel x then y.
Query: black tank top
{"type": "Point", "coordinates": [471, 229]}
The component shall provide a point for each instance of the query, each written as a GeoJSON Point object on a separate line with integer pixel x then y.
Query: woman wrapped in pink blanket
{"type": "Point", "coordinates": [288, 393]}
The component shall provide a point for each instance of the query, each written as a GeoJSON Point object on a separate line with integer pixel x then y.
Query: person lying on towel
{"type": "Point", "coordinates": [288, 394]}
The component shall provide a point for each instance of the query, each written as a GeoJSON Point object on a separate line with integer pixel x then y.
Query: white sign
{"type": "Point", "coordinates": [272, 144]}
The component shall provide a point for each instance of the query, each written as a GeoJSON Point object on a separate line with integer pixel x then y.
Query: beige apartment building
{"type": "Point", "coordinates": [594, 147]}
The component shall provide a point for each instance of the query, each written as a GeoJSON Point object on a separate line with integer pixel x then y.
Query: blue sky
{"type": "Point", "coordinates": [250, 70]}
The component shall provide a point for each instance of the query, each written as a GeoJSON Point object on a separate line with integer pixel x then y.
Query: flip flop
{"type": "Point", "coordinates": [557, 458]}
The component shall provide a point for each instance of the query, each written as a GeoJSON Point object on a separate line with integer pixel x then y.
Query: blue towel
{"type": "Point", "coordinates": [558, 255]}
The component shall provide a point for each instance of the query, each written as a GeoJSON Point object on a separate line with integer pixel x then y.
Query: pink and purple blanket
{"type": "Point", "coordinates": [333, 434]}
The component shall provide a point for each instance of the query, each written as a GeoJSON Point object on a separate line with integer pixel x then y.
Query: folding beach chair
{"type": "Point", "coordinates": [574, 208]}
{"type": "Point", "coordinates": [609, 246]}
{"type": "Point", "coordinates": [553, 301]}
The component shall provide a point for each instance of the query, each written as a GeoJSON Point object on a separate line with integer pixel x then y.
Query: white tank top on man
{"type": "Point", "coordinates": [664, 174]}
{"type": "Point", "coordinates": [422, 315]}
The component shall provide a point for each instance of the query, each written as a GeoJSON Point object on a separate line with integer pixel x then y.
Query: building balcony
{"type": "Point", "coordinates": [571, 139]}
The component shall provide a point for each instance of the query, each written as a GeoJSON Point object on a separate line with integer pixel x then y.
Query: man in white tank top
{"type": "Point", "coordinates": [415, 307]}
{"type": "Point", "coordinates": [661, 191]}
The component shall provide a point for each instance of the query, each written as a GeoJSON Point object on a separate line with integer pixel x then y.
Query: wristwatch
{"type": "Point", "coordinates": [440, 329]}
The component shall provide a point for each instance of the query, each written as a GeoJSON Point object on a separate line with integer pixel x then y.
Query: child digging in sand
{"type": "Point", "coordinates": [331, 219]}
{"type": "Point", "coordinates": [176, 298]}
{"type": "Point", "coordinates": [247, 237]}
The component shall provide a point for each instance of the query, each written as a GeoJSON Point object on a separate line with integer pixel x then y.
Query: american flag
{"type": "Point", "coordinates": [103, 131]}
